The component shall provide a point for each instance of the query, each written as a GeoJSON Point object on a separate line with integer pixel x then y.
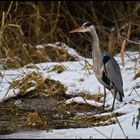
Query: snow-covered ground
{"type": "Point", "coordinates": [77, 78]}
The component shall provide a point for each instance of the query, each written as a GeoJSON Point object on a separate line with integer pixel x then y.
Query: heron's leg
{"type": "Point", "coordinates": [104, 98]}
{"type": "Point", "coordinates": [114, 100]}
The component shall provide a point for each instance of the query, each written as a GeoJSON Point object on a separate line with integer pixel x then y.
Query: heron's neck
{"type": "Point", "coordinates": [96, 52]}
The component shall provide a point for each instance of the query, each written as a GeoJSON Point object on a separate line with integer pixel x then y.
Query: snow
{"type": "Point", "coordinates": [111, 131]}
{"type": "Point", "coordinates": [69, 50]}
{"type": "Point", "coordinates": [82, 100]}
{"type": "Point", "coordinates": [39, 46]}
{"type": "Point", "coordinates": [76, 78]}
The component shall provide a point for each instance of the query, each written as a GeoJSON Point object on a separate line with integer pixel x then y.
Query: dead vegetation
{"type": "Point", "coordinates": [87, 95]}
{"type": "Point", "coordinates": [34, 84]}
{"type": "Point", "coordinates": [117, 24]}
{"type": "Point", "coordinates": [41, 101]}
{"type": "Point", "coordinates": [40, 104]}
{"type": "Point", "coordinates": [137, 75]}
{"type": "Point", "coordinates": [57, 68]}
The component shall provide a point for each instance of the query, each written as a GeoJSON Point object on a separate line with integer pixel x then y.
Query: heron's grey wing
{"type": "Point", "coordinates": [112, 70]}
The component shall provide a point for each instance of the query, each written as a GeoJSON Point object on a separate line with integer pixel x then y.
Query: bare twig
{"type": "Point", "coordinates": [126, 137]}
{"type": "Point", "coordinates": [101, 133]}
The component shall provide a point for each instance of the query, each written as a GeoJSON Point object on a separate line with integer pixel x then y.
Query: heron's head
{"type": "Point", "coordinates": [86, 27]}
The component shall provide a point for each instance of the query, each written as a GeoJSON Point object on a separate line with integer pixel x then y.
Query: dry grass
{"type": "Point", "coordinates": [26, 24]}
{"type": "Point", "coordinates": [44, 107]}
{"type": "Point", "coordinates": [137, 75]}
{"type": "Point", "coordinates": [57, 68]}
{"type": "Point", "coordinates": [33, 84]}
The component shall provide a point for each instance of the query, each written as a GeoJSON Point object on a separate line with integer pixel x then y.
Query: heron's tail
{"type": "Point", "coordinates": [119, 95]}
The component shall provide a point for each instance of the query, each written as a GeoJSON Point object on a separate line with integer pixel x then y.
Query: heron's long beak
{"type": "Point", "coordinates": [76, 30]}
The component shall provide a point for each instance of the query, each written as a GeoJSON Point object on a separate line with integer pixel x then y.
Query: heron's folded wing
{"type": "Point", "coordinates": [113, 72]}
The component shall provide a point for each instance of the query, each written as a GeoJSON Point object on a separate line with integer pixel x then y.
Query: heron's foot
{"type": "Point", "coordinates": [112, 109]}
{"type": "Point", "coordinates": [105, 108]}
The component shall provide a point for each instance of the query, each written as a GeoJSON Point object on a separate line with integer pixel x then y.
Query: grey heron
{"type": "Point", "coordinates": [106, 68]}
